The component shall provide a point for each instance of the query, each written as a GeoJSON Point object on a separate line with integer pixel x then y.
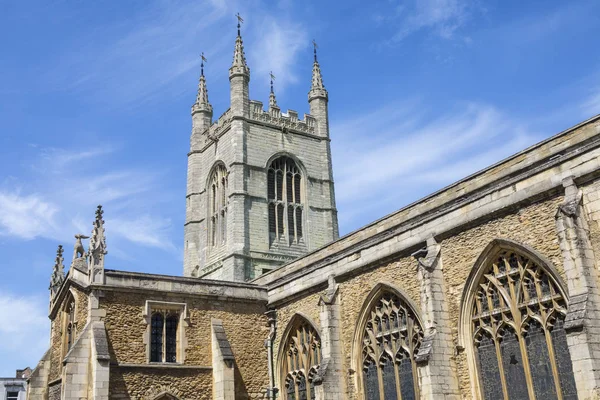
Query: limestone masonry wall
{"type": "Point", "coordinates": [244, 323]}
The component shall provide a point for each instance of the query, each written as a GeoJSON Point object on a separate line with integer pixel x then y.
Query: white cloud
{"type": "Point", "coordinates": [26, 216]}
{"type": "Point", "coordinates": [441, 17]}
{"type": "Point", "coordinates": [23, 333]}
{"type": "Point", "coordinates": [415, 153]}
{"type": "Point", "coordinates": [145, 230]}
{"type": "Point", "coordinates": [277, 47]}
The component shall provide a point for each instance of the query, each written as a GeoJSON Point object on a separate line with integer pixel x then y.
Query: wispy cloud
{"type": "Point", "coordinates": [440, 17]}
{"type": "Point", "coordinates": [67, 190]}
{"type": "Point", "coordinates": [276, 49]}
{"type": "Point", "coordinates": [25, 335]}
{"type": "Point", "coordinates": [26, 216]}
{"type": "Point", "coordinates": [416, 154]}
{"type": "Point", "coordinates": [591, 105]}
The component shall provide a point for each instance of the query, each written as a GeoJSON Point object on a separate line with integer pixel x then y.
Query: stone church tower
{"type": "Point", "coordinates": [260, 183]}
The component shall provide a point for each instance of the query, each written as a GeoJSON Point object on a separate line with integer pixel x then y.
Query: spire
{"type": "Point", "coordinates": [272, 99]}
{"type": "Point", "coordinates": [202, 103]}
{"type": "Point", "coordinates": [58, 272]}
{"type": "Point", "coordinates": [239, 65]}
{"type": "Point", "coordinates": [317, 88]}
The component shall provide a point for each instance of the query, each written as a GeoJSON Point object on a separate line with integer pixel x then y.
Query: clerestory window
{"type": "Point", "coordinates": [284, 184]}
{"type": "Point", "coordinates": [217, 206]}
{"type": "Point", "coordinates": [517, 323]}
{"type": "Point", "coordinates": [163, 336]}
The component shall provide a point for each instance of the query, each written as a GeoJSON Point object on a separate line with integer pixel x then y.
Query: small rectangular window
{"type": "Point", "coordinates": [12, 395]}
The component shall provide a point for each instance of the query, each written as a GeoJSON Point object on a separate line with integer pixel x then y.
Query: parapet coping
{"type": "Point", "coordinates": [347, 244]}
{"type": "Point", "coordinates": [189, 286]}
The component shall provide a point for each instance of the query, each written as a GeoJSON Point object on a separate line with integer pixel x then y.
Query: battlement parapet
{"type": "Point", "coordinates": [219, 125]}
{"type": "Point", "coordinates": [285, 121]}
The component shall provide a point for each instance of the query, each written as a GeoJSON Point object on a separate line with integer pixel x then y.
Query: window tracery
{"type": "Point", "coordinates": [391, 339]}
{"type": "Point", "coordinates": [284, 184]}
{"type": "Point", "coordinates": [301, 360]}
{"type": "Point", "coordinates": [217, 204]}
{"type": "Point", "coordinates": [69, 324]}
{"type": "Point", "coordinates": [517, 330]}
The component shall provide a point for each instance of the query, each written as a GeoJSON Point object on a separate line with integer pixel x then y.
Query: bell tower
{"type": "Point", "coordinates": [260, 183]}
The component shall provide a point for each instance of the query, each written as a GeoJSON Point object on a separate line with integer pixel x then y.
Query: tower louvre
{"type": "Point", "coordinates": [260, 183]}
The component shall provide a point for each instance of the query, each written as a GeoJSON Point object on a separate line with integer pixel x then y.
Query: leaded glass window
{"type": "Point", "coordinates": [301, 360]}
{"type": "Point", "coordinates": [68, 324]}
{"type": "Point", "coordinates": [517, 329]}
{"type": "Point", "coordinates": [217, 206]}
{"type": "Point", "coordinates": [163, 336]}
{"type": "Point", "coordinates": [284, 188]}
{"type": "Point", "coordinates": [391, 338]}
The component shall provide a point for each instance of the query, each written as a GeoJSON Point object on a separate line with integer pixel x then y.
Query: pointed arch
{"type": "Point", "coordinates": [217, 191]}
{"type": "Point", "coordinates": [299, 358]}
{"type": "Point", "coordinates": [511, 319]}
{"type": "Point", "coordinates": [387, 337]}
{"type": "Point", "coordinates": [69, 321]}
{"type": "Point", "coordinates": [286, 194]}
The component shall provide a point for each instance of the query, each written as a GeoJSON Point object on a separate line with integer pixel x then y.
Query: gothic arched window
{"type": "Point", "coordinates": [163, 336]}
{"type": "Point", "coordinates": [390, 339]}
{"type": "Point", "coordinates": [217, 206]}
{"type": "Point", "coordinates": [517, 319]}
{"type": "Point", "coordinates": [300, 361]}
{"type": "Point", "coordinates": [284, 183]}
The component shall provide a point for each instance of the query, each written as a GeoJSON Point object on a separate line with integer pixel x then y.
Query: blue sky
{"type": "Point", "coordinates": [95, 101]}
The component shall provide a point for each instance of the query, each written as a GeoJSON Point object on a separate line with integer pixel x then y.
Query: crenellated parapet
{"type": "Point", "coordinates": [284, 121]}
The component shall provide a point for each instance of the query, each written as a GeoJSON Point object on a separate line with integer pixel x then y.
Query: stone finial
{"type": "Point", "coordinates": [202, 103]}
{"type": "Point", "coordinates": [317, 88]}
{"type": "Point", "coordinates": [97, 249]}
{"type": "Point", "coordinates": [58, 272]}
{"type": "Point", "coordinates": [239, 66]}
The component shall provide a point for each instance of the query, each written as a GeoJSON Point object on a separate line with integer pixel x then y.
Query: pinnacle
{"type": "Point", "coordinates": [239, 65]}
{"type": "Point", "coordinates": [317, 88]}
{"type": "Point", "coordinates": [202, 103]}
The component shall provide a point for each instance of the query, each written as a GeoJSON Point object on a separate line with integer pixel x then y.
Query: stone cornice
{"type": "Point", "coordinates": [177, 285]}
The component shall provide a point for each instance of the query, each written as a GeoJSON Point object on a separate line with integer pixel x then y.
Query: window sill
{"type": "Point", "coordinates": [164, 366]}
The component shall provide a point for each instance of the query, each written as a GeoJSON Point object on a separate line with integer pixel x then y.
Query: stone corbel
{"type": "Point", "coordinates": [576, 314]}
{"type": "Point", "coordinates": [424, 353]}
{"type": "Point", "coordinates": [331, 293]}
{"type": "Point", "coordinates": [318, 377]}
{"type": "Point", "coordinates": [429, 261]}
{"type": "Point", "coordinates": [572, 202]}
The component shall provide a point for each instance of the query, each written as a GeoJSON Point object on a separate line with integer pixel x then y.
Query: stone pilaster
{"type": "Point", "coordinates": [582, 323]}
{"type": "Point", "coordinates": [100, 362]}
{"type": "Point", "coordinates": [435, 358]}
{"type": "Point", "coordinates": [37, 385]}
{"type": "Point", "coordinates": [75, 373]}
{"type": "Point", "coordinates": [328, 382]}
{"type": "Point", "coordinates": [223, 363]}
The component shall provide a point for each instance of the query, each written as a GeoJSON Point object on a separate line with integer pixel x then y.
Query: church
{"type": "Point", "coordinates": [487, 289]}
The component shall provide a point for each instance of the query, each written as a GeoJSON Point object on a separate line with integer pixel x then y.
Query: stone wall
{"type": "Point", "coordinates": [145, 383]}
{"type": "Point", "coordinates": [244, 324]}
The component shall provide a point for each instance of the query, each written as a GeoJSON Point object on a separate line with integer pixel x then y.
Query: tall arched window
{"type": "Point", "coordinates": [217, 206]}
{"type": "Point", "coordinates": [300, 360]}
{"type": "Point", "coordinates": [284, 182]}
{"type": "Point", "coordinates": [517, 319]}
{"type": "Point", "coordinates": [390, 339]}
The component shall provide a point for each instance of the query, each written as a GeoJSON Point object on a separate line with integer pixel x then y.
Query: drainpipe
{"type": "Point", "coordinates": [271, 318]}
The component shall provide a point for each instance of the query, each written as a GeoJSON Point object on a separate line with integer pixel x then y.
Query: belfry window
{"type": "Point", "coordinates": [391, 338]}
{"type": "Point", "coordinates": [163, 336]}
{"type": "Point", "coordinates": [217, 206]}
{"type": "Point", "coordinates": [284, 184]}
{"type": "Point", "coordinates": [518, 332]}
{"type": "Point", "coordinates": [301, 359]}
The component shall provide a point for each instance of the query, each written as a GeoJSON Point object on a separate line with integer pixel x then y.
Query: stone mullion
{"type": "Point", "coordinates": [501, 367]}
{"type": "Point", "coordinates": [553, 363]}
{"type": "Point", "coordinates": [526, 368]}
